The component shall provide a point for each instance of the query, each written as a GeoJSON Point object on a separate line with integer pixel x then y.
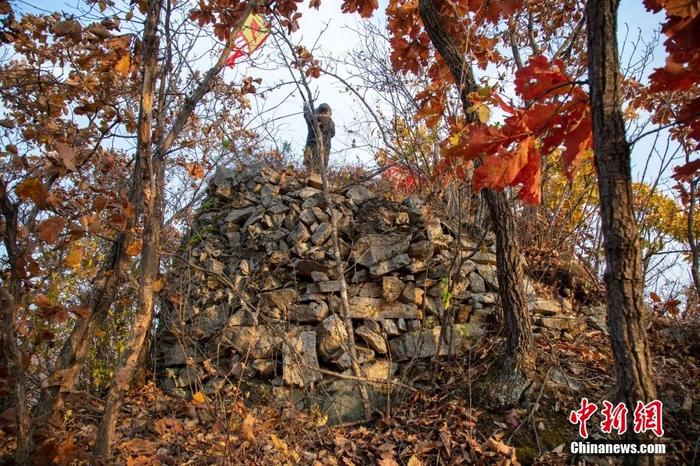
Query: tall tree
{"type": "Point", "coordinates": [520, 357]}
{"type": "Point", "coordinates": [627, 313]}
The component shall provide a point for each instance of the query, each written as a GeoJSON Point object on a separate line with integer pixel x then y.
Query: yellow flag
{"type": "Point", "coordinates": [252, 35]}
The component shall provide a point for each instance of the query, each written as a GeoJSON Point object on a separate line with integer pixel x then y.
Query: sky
{"type": "Point", "coordinates": [283, 105]}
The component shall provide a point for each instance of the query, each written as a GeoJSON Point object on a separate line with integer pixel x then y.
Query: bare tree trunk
{"type": "Point", "coordinates": [146, 179]}
{"type": "Point", "coordinates": [148, 275]}
{"type": "Point", "coordinates": [10, 297]}
{"type": "Point", "coordinates": [509, 269]}
{"type": "Point", "coordinates": [692, 240]}
{"type": "Point", "coordinates": [627, 314]}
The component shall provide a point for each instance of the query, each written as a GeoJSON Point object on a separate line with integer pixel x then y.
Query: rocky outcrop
{"type": "Point", "coordinates": [254, 292]}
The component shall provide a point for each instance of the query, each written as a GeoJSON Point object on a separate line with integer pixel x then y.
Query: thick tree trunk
{"type": "Point", "coordinates": [509, 268]}
{"type": "Point", "coordinates": [624, 275]}
{"type": "Point", "coordinates": [10, 297]}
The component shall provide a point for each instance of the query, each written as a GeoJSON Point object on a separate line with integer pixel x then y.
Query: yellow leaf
{"type": "Point", "coordinates": [279, 444]}
{"type": "Point", "coordinates": [158, 285]}
{"type": "Point", "coordinates": [198, 398]}
{"type": "Point", "coordinates": [482, 112]}
{"type": "Point", "coordinates": [413, 461]}
{"type": "Point", "coordinates": [123, 65]}
{"type": "Point", "coordinates": [74, 258]}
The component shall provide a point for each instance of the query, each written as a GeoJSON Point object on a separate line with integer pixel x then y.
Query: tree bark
{"type": "Point", "coordinates": [508, 266]}
{"type": "Point", "coordinates": [624, 275]}
{"type": "Point", "coordinates": [146, 178]}
{"type": "Point", "coordinates": [10, 297]}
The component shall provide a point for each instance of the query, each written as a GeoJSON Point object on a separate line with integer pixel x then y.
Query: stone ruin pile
{"type": "Point", "coordinates": [255, 293]}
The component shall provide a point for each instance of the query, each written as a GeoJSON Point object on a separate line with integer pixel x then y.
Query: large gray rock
{"type": "Point", "coordinates": [371, 249]}
{"type": "Point", "coordinates": [299, 360]}
{"type": "Point", "coordinates": [359, 194]}
{"type": "Point", "coordinates": [377, 308]}
{"type": "Point", "coordinates": [313, 311]}
{"type": "Point", "coordinates": [388, 266]}
{"type": "Point", "coordinates": [254, 342]}
{"type": "Point", "coordinates": [426, 343]}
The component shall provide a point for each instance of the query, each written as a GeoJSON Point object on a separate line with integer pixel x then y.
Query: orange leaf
{"type": "Point", "coordinates": [123, 65]}
{"type": "Point", "coordinates": [49, 229]}
{"type": "Point", "coordinates": [198, 398]}
{"type": "Point", "coordinates": [34, 189]}
{"type": "Point", "coordinates": [499, 171]}
{"type": "Point", "coordinates": [134, 249]}
{"type": "Point", "coordinates": [74, 258]}
{"type": "Point", "coordinates": [195, 171]}
{"type": "Point", "coordinates": [246, 430]}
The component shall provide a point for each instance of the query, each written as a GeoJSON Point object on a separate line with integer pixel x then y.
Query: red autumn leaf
{"type": "Point", "coordinates": [655, 297]}
{"type": "Point", "coordinates": [364, 7]}
{"type": "Point", "coordinates": [576, 142]}
{"type": "Point", "coordinates": [500, 170]}
{"type": "Point", "coordinates": [540, 79]}
{"type": "Point", "coordinates": [687, 171]}
{"type": "Point", "coordinates": [49, 229]}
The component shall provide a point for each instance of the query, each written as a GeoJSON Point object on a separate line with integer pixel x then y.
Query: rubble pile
{"type": "Point", "coordinates": [254, 294]}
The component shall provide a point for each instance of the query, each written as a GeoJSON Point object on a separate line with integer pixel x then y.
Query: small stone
{"type": "Point", "coordinates": [237, 217]}
{"type": "Point", "coordinates": [375, 340]}
{"type": "Point", "coordinates": [543, 307]}
{"type": "Point", "coordinates": [476, 283]}
{"type": "Point", "coordinates": [331, 337]}
{"type": "Point", "coordinates": [315, 181]}
{"type": "Point", "coordinates": [319, 277]}
{"type": "Point", "coordinates": [392, 288]}
{"type": "Point", "coordinates": [313, 311]}
{"type": "Point", "coordinates": [321, 234]}
{"type": "Point", "coordinates": [421, 250]}
{"type": "Point", "coordinates": [388, 266]}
